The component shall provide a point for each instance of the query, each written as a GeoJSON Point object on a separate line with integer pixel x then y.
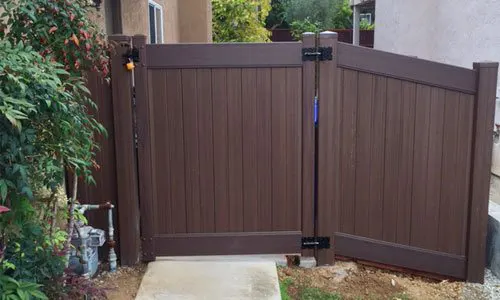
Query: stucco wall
{"type": "Point", "coordinates": [457, 32]}
{"type": "Point", "coordinates": [134, 17]}
{"type": "Point", "coordinates": [183, 20]}
{"type": "Point", "coordinates": [195, 21]}
{"type": "Point", "coordinates": [170, 20]}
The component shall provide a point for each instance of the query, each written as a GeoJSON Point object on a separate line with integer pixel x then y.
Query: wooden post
{"type": "Point", "coordinates": [484, 111]}
{"type": "Point", "coordinates": [308, 140]}
{"type": "Point", "coordinates": [144, 146]}
{"type": "Point", "coordinates": [126, 173]}
{"type": "Point", "coordinates": [328, 187]}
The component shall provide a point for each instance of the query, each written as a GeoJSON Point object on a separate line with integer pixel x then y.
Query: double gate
{"type": "Point", "coordinates": [233, 158]}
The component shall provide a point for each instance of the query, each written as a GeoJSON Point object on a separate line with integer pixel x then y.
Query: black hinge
{"type": "Point", "coordinates": [320, 242]}
{"type": "Point", "coordinates": [132, 54]}
{"type": "Point", "coordinates": [320, 53]}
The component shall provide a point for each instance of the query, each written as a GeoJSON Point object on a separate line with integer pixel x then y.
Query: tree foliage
{"type": "Point", "coordinates": [316, 15]}
{"type": "Point", "coordinates": [277, 15]}
{"type": "Point", "coordinates": [240, 20]}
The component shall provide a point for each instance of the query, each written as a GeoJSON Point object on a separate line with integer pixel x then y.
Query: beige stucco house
{"type": "Point", "coordinates": [163, 21]}
{"type": "Point", "coordinates": [456, 32]}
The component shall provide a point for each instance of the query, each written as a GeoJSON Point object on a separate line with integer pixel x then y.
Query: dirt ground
{"type": "Point", "coordinates": [348, 279]}
{"type": "Point", "coordinates": [352, 281]}
{"type": "Point", "coordinates": [122, 285]}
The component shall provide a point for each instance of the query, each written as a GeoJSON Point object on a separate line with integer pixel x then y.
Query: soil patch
{"type": "Point", "coordinates": [123, 284]}
{"type": "Point", "coordinates": [352, 281]}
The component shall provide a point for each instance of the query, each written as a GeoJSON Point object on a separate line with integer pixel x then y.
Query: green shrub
{"type": "Point", "coordinates": [240, 20]}
{"type": "Point", "coordinates": [12, 289]}
{"type": "Point", "coordinates": [33, 255]}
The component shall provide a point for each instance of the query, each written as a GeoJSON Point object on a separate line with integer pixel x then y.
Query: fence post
{"type": "Point", "coordinates": [144, 146]}
{"type": "Point", "coordinates": [484, 111]}
{"type": "Point", "coordinates": [126, 174]}
{"type": "Point", "coordinates": [327, 208]}
{"type": "Point", "coordinates": [308, 140]}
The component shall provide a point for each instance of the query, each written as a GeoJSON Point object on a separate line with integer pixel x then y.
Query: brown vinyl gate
{"type": "Point", "coordinates": [228, 160]}
{"type": "Point", "coordinates": [406, 147]}
{"type": "Point", "coordinates": [224, 142]}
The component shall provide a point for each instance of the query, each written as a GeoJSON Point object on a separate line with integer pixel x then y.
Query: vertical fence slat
{"type": "Point", "coordinates": [392, 160]}
{"type": "Point", "coordinates": [235, 153]}
{"type": "Point", "coordinates": [377, 158]}
{"type": "Point", "coordinates": [264, 141]}
{"type": "Point", "coordinates": [406, 168]}
{"type": "Point", "coordinates": [363, 148]}
{"type": "Point", "coordinates": [464, 149]}
{"type": "Point", "coordinates": [278, 148]}
{"type": "Point", "coordinates": [176, 139]}
{"type": "Point", "coordinates": [144, 146]}
{"type": "Point", "coordinates": [481, 163]}
{"type": "Point", "coordinates": [128, 202]}
{"type": "Point", "coordinates": [220, 131]}
{"type": "Point", "coordinates": [206, 155]}
{"type": "Point", "coordinates": [420, 155]}
{"type": "Point", "coordinates": [348, 151]}
{"type": "Point", "coordinates": [308, 93]}
{"type": "Point", "coordinates": [293, 147]}
{"type": "Point", "coordinates": [327, 203]}
{"type": "Point", "coordinates": [449, 218]}
{"type": "Point", "coordinates": [249, 118]}
{"type": "Point", "coordinates": [190, 116]}
{"type": "Point", "coordinates": [160, 160]}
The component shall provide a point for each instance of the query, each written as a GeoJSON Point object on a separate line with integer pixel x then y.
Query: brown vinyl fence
{"type": "Point", "coordinates": [229, 160]}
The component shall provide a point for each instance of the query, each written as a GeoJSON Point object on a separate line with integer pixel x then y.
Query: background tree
{"type": "Point", "coordinates": [277, 16]}
{"type": "Point", "coordinates": [240, 20]}
{"type": "Point", "coordinates": [312, 15]}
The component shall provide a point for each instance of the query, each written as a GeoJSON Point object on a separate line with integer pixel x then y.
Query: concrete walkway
{"type": "Point", "coordinates": [242, 279]}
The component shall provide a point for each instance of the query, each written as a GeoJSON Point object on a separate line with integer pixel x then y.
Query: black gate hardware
{"type": "Point", "coordinates": [320, 242]}
{"type": "Point", "coordinates": [132, 54]}
{"type": "Point", "coordinates": [320, 53]}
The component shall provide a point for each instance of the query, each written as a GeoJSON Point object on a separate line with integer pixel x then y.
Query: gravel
{"type": "Point", "coordinates": [489, 290]}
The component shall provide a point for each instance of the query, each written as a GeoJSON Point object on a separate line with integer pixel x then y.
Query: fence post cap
{"type": "Point", "coordinates": [328, 33]}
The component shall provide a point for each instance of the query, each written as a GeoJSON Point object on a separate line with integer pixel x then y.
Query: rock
{"type": "Point", "coordinates": [493, 239]}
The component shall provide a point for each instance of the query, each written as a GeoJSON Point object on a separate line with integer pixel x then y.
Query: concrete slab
{"type": "Point", "coordinates": [278, 259]}
{"type": "Point", "coordinates": [210, 280]}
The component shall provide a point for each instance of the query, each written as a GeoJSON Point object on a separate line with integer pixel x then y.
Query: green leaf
{"type": "Point", "coordinates": [38, 295]}
{"type": "Point", "coordinates": [22, 294]}
{"type": "Point", "coordinates": [3, 189]}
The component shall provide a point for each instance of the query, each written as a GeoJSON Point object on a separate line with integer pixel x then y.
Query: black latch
{"type": "Point", "coordinates": [320, 242]}
{"type": "Point", "coordinates": [131, 55]}
{"type": "Point", "coordinates": [320, 53]}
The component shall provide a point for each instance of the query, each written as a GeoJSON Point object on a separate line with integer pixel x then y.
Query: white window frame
{"type": "Point", "coordinates": [159, 33]}
{"type": "Point", "coordinates": [366, 16]}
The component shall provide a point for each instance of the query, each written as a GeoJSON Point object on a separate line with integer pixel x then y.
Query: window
{"type": "Point", "coordinates": [155, 23]}
{"type": "Point", "coordinates": [367, 17]}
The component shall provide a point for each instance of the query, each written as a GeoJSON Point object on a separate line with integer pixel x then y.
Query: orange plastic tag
{"type": "Point", "coordinates": [130, 66]}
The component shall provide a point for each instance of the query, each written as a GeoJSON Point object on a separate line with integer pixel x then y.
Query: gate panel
{"type": "Point", "coordinates": [227, 136]}
{"type": "Point", "coordinates": [402, 189]}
